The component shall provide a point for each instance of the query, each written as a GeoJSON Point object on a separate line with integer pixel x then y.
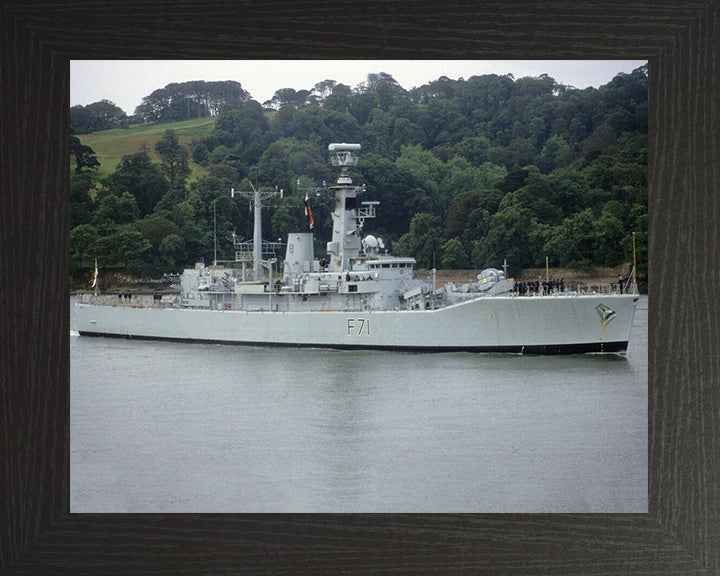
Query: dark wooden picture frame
{"type": "Point", "coordinates": [681, 532]}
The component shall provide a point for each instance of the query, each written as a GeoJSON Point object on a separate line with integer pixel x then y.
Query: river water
{"type": "Point", "coordinates": [168, 427]}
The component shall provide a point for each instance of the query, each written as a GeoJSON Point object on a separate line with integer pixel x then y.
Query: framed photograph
{"type": "Point", "coordinates": [40, 534]}
{"type": "Point", "coordinates": [366, 379]}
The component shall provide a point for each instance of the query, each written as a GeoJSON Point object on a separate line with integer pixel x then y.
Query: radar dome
{"type": "Point", "coordinates": [372, 245]}
{"type": "Point", "coordinates": [370, 241]}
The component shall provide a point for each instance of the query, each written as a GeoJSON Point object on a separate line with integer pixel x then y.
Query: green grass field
{"type": "Point", "coordinates": [111, 145]}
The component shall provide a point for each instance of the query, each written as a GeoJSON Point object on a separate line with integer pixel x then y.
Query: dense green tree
{"type": "Point", "coordinates": [377, 132]}
{"type": "Point", "coordinates": [425, 169]}
{"type": "Point", "coordinates": [500, 156]}
{"type": "Point", "coordinates": [284, 161]}
{"type": "Point", "coordinates": [172, 248]}
{"type": "Point", "coordinates": [244, 130]}
{"type": "Point", "coordinates": [84, 156]}
{"type": "Point", "coordinates": [323, 89]}
{"type": "Point", "coordinates": [490, 199]}
{"type": "Point", "coordinates": [282, 120]}
{"type": "Point", "coordinates": [443, 87]}
{"type": "Point", "coordinates": [508, 237]}
{"type": "Point", "coordinates": [570, 187]}
{"type": "Point", "coordinates": [106, 251]}
{"type": "Point", "coordinates": [601, 138]}
{"type": "Point", "coordinates": [82, 241]}
{"type": "Point", "coordinates": [536, 131]}
{"type": "Point", "coordinates": [155, 229]}
{"type": "Point", "coordinates": [454, 255]}
{"type": "Point", "coordinates": [423, 241]}
{"type": "Point", "coordinates": [126, 247]}
{"type": "Point", "coordinates": [531, 87]}
{"type": "Point", "coordinates": [477, 226]}
{"type": "Point", "coordinates": [198, 242]}
{"type": "Point", "coordinates": [522, 152]}
{"type": "Point", "coordinates": [442, 122]}
{"type": "Point", "coordinates": [102, 115]}
{"type": "Point", "coordinates": [459, 212]}
{"type": "Point", "coordinates": [194, 99]}
{"type": "Point", "coordinates": [81, 203]}
{"type": "Point", "coordinates": [221, 171]}
{"type": "Point", "coordinates": [139, 176]}
{"type": "Point", "coordinates": [384, 87]}
{"type": "Point", "coordinates": [459, 177]}
{"type": "Point", "coordinates": [361, 106]}
{"type": "Point", "coordinates": [577, 130]}
{"type": "Point", "coordinates": [133, 249]}
{"type": "Point", "coordinates": [474, 149]}
{"type": "Point", "coordinates": [404, 133]}
{"type": "Point", "coordinates": [173, 159]}
{"type": "Point", "coordinates": [320, 126]}
{"type": "Point", "coordinates": [513, 180]}
{"type": "Point", "coordinates": [219, 155]}
{"type": "Point", "coordinates": [113, 209]}
{"type": "Point", "coordinates": [167, 206]}
{"type": "Point", "coordinates": [540, 197]}
{"type": "Point", "coordinates": [571, 243]}
{"type": "Point", "coordinates": [490, 175]}
{"type": "Point", "coordinates": [556, 153]}
{"type": "Point", "coordinates": [289, 97]}
{"type": "Point", "coordinates": [200, 152]}
{"type": "Point", "coordinates": [396, 192]}
{"type": "Point", "coordinates": [607, 242]}
{"type": "Point", "coordinates": [340, 98]}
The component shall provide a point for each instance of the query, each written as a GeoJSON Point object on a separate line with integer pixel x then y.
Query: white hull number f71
{"type": "Point", "coordinates": [358, 326]}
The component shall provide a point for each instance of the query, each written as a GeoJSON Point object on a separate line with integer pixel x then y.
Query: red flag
{"type": "Point", "coordinates": [308, 210]}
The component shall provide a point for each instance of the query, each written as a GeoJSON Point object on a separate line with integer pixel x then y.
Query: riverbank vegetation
{"type": "Point", "coordinates": [469, 173]}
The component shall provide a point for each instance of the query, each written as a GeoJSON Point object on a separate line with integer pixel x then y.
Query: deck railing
{"type": "Point", "coordinates": [131, 300]}
{"type": "Point", "coordinates": [581, 289]}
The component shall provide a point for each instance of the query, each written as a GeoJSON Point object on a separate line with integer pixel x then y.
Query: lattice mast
{"type": "Point", "coordinates": [257, 196]}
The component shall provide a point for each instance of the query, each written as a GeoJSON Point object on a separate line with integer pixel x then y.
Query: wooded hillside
{"type": "Point", "coordinates": [468, 173]}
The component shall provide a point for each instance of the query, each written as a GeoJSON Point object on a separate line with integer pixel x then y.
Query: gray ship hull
{"type": "Point", "coordinates": [555, 324]}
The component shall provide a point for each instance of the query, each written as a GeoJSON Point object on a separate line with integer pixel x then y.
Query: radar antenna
{"type": "Point", "coordinates": [344, 156]}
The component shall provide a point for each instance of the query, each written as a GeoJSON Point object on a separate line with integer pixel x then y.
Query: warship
{"type": "Point", "coordinates": [358, 296]}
